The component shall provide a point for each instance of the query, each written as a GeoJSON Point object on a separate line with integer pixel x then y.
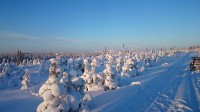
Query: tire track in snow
{"type": "Point", "coordinates": [186, 99]}
{"type": "Point", "coordinates": [165, 97]}
{"type": "Point", "coordinates": [194, 84]}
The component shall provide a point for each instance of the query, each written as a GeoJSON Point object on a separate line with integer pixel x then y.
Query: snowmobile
{"type": "Point", "coordinates": [195, 64]}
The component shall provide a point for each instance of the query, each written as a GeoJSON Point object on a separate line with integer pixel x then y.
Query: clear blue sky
{"type": "Point", "coordinates": [84, 25]}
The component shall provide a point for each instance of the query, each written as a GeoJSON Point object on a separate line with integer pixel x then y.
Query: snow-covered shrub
{"type": "Point", "coordinates": [25, 80]}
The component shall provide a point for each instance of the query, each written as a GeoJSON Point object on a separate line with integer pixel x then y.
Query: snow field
{"type": "Point", "coordinates": [166, 85]}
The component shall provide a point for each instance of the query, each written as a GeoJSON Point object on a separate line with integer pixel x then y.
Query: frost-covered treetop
{"type": "Point", "coordinates": [57, 56]}
{"type": "Point", "coordinates": [54, 70]}
{"type": "Point", "coordinates": [108, 69]}
{"type": "Point", "coordinates": [94, 62]}
{"type": "Point", "coordinates": [85, 61]}
{"type": "Point", "coordinates": [119, 60]}
{"type": "Point", "coordinates": [53, 61]}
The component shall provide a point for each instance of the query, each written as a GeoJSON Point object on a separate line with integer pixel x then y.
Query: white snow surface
{"type": "Point", "coordinates": [169, 86]}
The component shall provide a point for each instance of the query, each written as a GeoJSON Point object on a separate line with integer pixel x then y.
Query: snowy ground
{"type": "Point", "coordinates": [169, 87]}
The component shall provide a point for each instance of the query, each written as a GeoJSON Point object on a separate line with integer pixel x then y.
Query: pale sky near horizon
{"type": "Point", "coordinates": [89, 25]}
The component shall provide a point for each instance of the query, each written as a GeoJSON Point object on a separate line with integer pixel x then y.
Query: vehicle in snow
{"type": "Point", "coordinates": [195, 64]}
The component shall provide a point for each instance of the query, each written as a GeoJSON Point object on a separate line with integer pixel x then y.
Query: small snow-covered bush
{"type": "Point", "coordinates": [25, 80]}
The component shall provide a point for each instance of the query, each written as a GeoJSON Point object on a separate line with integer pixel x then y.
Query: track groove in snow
{"type": "Point", "coordinates": [166, 96]}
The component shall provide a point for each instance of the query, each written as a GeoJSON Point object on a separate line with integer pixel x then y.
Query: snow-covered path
{"type": "Point", "coordinates": [169, 89]}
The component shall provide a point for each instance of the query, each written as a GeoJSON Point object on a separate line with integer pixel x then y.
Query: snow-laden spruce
{"type": "Point", "coordinates": [65, 94]}
{"type": "Point", "coordinates": [132, 66]}
{"type": "Point", "coordinates": [97, 84]}
{"type": "Point", "coordinates": [125, 71]}
{"type": "Point", "coordinates": [129, 68]}
{"type": "Point", "coordinates": [75, 95]}
{"type": "Point", "coordinates": [53, 93]}
{"type": "Point", "coordinates": [111, 79]}
{"type": "Point", "coordinates": [93, 81]}
{"type": "Point", "coordinates": [87, 76]}
{"type": "Point", "coordinates": [119, 65]}
{"type": "Point", "coordinates": [25, 80]}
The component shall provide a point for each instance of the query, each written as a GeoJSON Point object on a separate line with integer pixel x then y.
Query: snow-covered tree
{"type": "Point", "coordinates": [27, 62]}
{"type": "Point", "coordinates": [93, 64]}
{"type": "Point", "coordinates": [111, 80]}
{"type": "Point", "coordinates": [100, 82]}
{"type": "Point", "coordinates": [79, 66]}
{"type": "Point", "coordinates": [24, 62]}
{"type": "Point", "coordinates": [76, 68]}
{"type": "Point", "coordinates": [53, 92]}
{"type": "Point", "coordinates": [2, 64]}
{"type": "Point", "coordinates": [97, 79]}
{"type": "Point", "coordinates": [36, 61]}
{"type": "Point", "coordinates": [7, 72]}
{"type": "Point", "coordinates": [87, 76]}
{"type": "Point", "coordinates": [92, 80]}
{"type": "Point", "coordinates": [131, 67]}
{"type": "Point", "coordinates": [119, 64]}
{"type": "Point", "coordinates": [110, 59]}
{"type": "Point", "coordinates": [25, 80]}
{"type": "Point", "coordinates": [75, 91]}
{"type": "Point", "coordinates": [125, 71]}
